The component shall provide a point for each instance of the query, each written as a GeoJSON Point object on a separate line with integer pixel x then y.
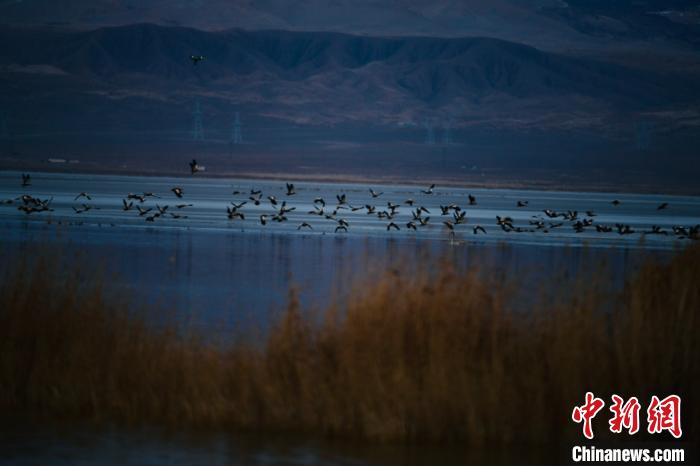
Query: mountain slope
{"type": "Point", "coordinates": [428, 70]}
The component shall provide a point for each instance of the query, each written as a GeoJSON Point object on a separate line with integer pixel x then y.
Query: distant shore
{"type": "Point", "coordinates": [470, 181]}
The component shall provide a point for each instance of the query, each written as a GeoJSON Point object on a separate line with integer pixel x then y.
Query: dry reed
{"type": "Point", "coordinates": [420, 357]}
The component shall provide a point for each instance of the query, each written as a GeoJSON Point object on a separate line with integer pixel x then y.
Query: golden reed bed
{"type": "Point", "coordinates": [433, 357]}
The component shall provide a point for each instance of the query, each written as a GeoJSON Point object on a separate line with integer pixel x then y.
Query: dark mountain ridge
{"type": "Point", "coordinates": [429, 69]}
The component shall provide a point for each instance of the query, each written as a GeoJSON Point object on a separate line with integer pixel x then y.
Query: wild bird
{"type": "Point", "coordinates": [342, 199]}
{"type": "Point", "coordinates": [162, 210]}
{"type": "Point", "coordinates": [374, 193]}
{"type": "Point", "coordinates": [197, 58]}
{"type": "Point", "coordinates": [409, 202]}
{"type": "Point", "coordinates": [233, 213]}
{"type": "Point", "coordinates": [182, 206]}
{"type": "Point", "coordinates": [317, 211]}
{"type": "Point", "coordinates": [263, 219]}
{"type": "Point", "coordinates": [32, 204]}
{"type": "Point", "coordinates": [472, 200]}
{"type": "Point", "coordinates": [479, 228]}
{"type": "Point", "coordinates": [522, 203]}
{"type": "Point", "coordinates": [177, 216]}
{"type": "Point", "coordinates": [137, 197]}
{"type": "Point", "coordinates": [143, 211]}
{"type": "Point", "coordinates": [662, 206]}
{"type": "Point", "coordinates": [459, 217]}
{"type": "Point", "coordinates": [506, 223]}
{"type": "Point", "coordinates": [305, 225]}
{"type": "Point", "coordinates": [430, 189]}
{"type": "Point", "coordinates": [127, 205]}
{"type": "Point", "coordinates": [623, 229]}
{"type": "Point", "coordinates": [290, 189]}
{"type": "Point", "coordinates": [26, 180]}
{"type": "Point", "coordinates": [392, 225]}
{"type": "Point", "coordinates": [655, 230]}
{"type": "Point", "coordinates": [256, 199]}
{"type": "Point", "coordinates": [319, 200]}
{"type": "Point", "coordinates": [370, 209]}
{"type": "Point", "coordinates": [411, 226]}
{"type": "Point", "coordinates": [83, 208]}
{"type": "Point", "coordinates": [615, 202]}
{"type": "Point", "coordinates": [194, 166]}
{"type": "Point", "coordinates": [341, 228]}
{"type": "Point", "coordinates": [83, 194]}
{"type": "Point", "coordinates": [284, 209]}
{"type": "Point", "coordinates": [272, 199]}
{"type": "Point", "coordinates": [178, 191]}
{"type": "Point", "coordinates": [450, 226]}
{"type": "Point", "coordinates": [255, 192]}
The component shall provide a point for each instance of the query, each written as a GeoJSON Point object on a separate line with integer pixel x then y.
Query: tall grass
{"type": "Point", "coordinates": [410, 357]}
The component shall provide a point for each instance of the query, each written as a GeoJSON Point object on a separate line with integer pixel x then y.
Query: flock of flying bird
{"type": "Point", "coordinates": [420, 216]}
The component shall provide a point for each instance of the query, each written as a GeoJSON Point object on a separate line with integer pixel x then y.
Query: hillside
{"type": "Point", "coordinates": [335, 95]}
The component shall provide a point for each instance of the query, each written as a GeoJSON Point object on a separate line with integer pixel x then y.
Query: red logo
{"type": "Point", "coordinates": [624, 415]}
{"type": "Point", "coordinates": [587, 412]}
{"type": "Point", "coordinates": [665, 415]}
{"type": "Point", "coordinates": [662, 415]}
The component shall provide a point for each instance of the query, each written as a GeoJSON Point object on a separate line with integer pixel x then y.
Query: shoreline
{"type": "Point", "coordinates": [333, 178]}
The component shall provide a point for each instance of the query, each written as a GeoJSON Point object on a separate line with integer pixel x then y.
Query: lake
{"type": "Point", "coordinates": [216, 272]}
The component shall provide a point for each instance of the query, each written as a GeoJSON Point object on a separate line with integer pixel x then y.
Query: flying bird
{"type": "Point", "coordinates": [143, 211]}
{"type": "Point", "coordinates": [83, 194]}
{"type": "Point", "coordinates": [177, 191]}
{"type": "Point", "coordinates": [290, 189]}
{"type": "Point", "coordinates": [662, 206]}
{"type": "Point", "coordinates": [194, 166]}
{"type": "Point", "coordinates": [26, 180]}
{"type": "Point", "coordinates": [430, 189]}
{"type": "Point", "coordinates": [197, 58]}
{"type": "Point", "coordinates": [374, 193]}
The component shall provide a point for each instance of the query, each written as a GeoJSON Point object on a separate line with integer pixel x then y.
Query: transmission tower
{"type": "Point", "coordinates": [429, 132]}
{"type": "Point", "coordinates": [197, 131]}
{"type": "Point", "coordinates": [446, 136]}
{"type": "Point", "coordinates": [236, 137]}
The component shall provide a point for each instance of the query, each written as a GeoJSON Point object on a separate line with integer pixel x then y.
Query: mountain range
{"type": "Point", "coordinates": [332, 93]}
